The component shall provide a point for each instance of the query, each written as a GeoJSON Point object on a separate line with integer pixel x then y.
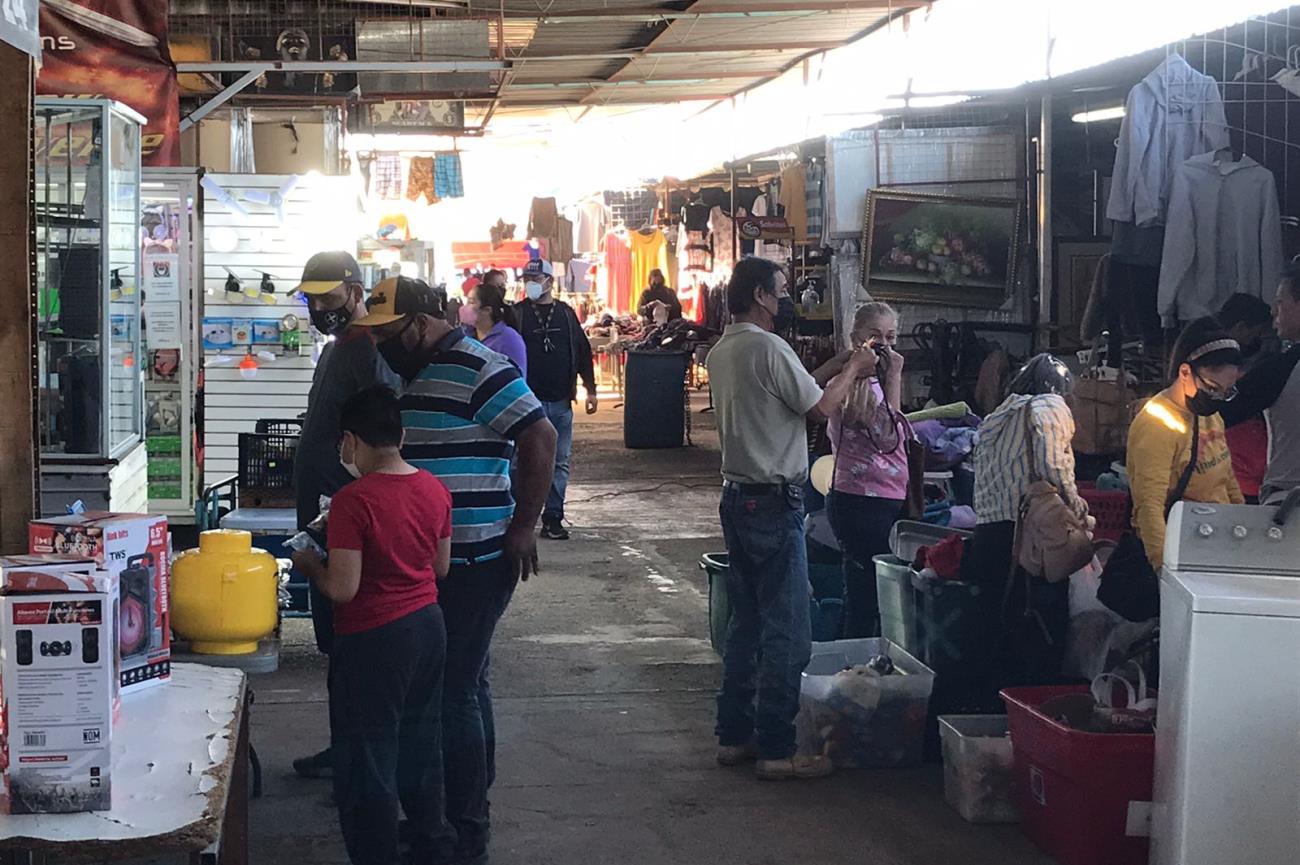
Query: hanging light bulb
{"type": "Point", "coordinates": [129, 360]}
{"type": "Point", "coordinates": [248, 366]}
{"type": "Point", "coordinates": [267, 289]}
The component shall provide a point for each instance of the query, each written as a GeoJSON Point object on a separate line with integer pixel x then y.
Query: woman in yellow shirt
{"type": "Point", "coordinates": [1205, 367]}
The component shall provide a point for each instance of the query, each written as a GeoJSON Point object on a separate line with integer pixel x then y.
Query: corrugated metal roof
{"type": "Point", "coordinates": [590, 37]}
{"type": "Point", "coordinates": [830, 28]}
{"type": "Point", "coordinates": [568, 70]}
{"type": "Point", "coordinates": [699, 65]}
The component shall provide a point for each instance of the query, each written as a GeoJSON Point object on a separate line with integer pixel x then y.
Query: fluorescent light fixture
{"type": "Point", "coordinates": [1115, 112]}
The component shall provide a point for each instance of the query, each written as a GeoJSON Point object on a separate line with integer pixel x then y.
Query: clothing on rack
{"type": "Point", "coordinates": [590, 227]}
{"type": "Point", "coordinates": [616, 275]}
{"type": "Point", "coordinates": [541, 217]}
{"type": "Point", "coordinates": [794, 199]}
{"type": "Point", "coordinates": [695, 216]}
{"type": "Point", "coordinates": [579, 276]}
{"type": "Point", "coordinates": [693, 255]}
{"type": "Point", "coordinates": [722, 232]}
{"type": "Point", "coordinates": [814, 200]}
{"type": "Point", "coordinates": [649, 252]}
{"type": "Point", "coordinates": [420, 182]}
{"type": "Point", "coordinates": [1224, 237]}
{"type": "Point", "coordinates": [447, 179]}
{"type": "Point", "coordinates": [386, 177]}
{"type": "Point", "coordinates": [560, 241]}
{"type": "Point", "coordinates": [1173, 114]}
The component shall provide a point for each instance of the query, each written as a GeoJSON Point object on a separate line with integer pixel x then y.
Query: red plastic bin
{"type": "Point", "coordinates": [1075, 788]}
{"type": "Point", "coordinates": [1110, 507]}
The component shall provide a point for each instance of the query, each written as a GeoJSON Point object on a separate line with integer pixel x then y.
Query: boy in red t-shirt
{"type": "Point", "coordinates": [389, 538]}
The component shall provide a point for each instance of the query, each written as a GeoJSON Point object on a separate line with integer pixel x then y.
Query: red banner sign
{"type": "Point", "coordinates": [115, 49]}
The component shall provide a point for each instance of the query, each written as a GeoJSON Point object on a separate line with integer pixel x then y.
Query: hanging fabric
{"type": "Point", "coordinates": [447, 179]}
{"type": "Point", "coordinates": [420, 180]}
{"type": "Point", "coordinates": [616, 275]}
{"type": "Point", "coordinates": [814, 200]}
{"type": "Point", "coordinates": [723, 234]}
{"type": "Point", "coordinates": [793, 198]}
{"type": "Point", "coordinates": [649, 252]}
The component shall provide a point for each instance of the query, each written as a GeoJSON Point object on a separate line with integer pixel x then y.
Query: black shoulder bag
{"type": "Point", "coordinates": [1129, 585]}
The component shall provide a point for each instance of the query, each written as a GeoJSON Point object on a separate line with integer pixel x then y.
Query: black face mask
{"type": "Point", "coordinates": [785, 314]}
{"type": "Point", "coordinates": [1204, 405]}
{"type": "Point", "coordinates": [332, 322]}
{"type": "Point", "coordinates": [401, 361]}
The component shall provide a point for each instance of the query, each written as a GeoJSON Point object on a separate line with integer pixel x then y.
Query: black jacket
{"type": "Point", "coordinates": [580, 347]}
{"type": "Point", "coordinates": [664, 294]}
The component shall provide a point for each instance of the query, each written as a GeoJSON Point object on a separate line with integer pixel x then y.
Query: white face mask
{"type": "Point", "coordinates": [350, 468]}
{"type": "Point", "coordinates": [534, 290]}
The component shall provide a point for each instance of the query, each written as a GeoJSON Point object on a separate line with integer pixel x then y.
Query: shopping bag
{"type": "Point", "coordinates": [1138, 712]}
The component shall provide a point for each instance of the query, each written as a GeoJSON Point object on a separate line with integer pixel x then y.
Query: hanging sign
{"type": "Point", "coordinates": [114, 49]}
{"type": "Point", "coordinates": [162, 278]}
{"type": "Point", "coordinates": [764, 228]}
{"type": "Point", "coordinates": [162, 325]}
{"type": "Point", "coordinates": [18, 26]}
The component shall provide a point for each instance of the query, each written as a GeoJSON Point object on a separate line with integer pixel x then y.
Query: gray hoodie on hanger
{"type": "Point", "coordinates": [1224, 235]}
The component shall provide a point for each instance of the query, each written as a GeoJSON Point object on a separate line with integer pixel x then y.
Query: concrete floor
{"type": "Point", "coordinates": [604, 690]}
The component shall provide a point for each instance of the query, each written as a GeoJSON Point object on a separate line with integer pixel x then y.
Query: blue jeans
{"type": "Point", "coordinates": [472, 598]}
{"type": "Point", "coordinates": [385, 698]}
{"type": "Point", "coordinates": [769, 640]}
{"type": "Point", "coordinates": [561, 416]}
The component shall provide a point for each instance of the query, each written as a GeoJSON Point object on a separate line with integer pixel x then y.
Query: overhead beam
{"type": "Point", "coordinates": [718, 10]}
{"type": "Point", "coordinates": [655, 48]}
{"type": "Point", "coordinates": [343, 66]}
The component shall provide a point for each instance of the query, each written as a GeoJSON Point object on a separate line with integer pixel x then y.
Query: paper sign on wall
{"type": "Point", "coordinates": [163, 324]}
{"type": "Point", "coordinates": [162, 278]}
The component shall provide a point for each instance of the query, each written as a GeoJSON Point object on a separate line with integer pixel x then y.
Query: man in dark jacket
{"type": "Point", "coordinates": [659, 294]}
{"type": "Point", "coordinates": [558, 355]}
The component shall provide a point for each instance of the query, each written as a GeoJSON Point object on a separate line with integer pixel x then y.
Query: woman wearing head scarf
{"type": "Point", "coordinates": [1027, 437]}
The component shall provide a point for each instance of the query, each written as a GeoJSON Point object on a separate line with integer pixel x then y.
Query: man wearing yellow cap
{"type": "Point", "coordinates": [349, 363]}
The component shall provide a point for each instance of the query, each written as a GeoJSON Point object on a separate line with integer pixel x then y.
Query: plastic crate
{"type": "Point", "coordinates": [863, 722]}
{"type": "Point", "coordinates": [279, 426]}
{"type": "Point", "coordinates": [950, 625]}
{"type": "Point", "coordinates": [266, 469]}
{"type": "Point", "coordinates": [1078, 791]}
{"type": "Point", "coordinates": [897, 599]}
{"type": "Point", "coordinates": [978, 768]}
{"type": "Point", "coordinates": [1112, 509]}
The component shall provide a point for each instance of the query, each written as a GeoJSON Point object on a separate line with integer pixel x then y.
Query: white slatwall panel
{"type": "Point", "coordinates": [321, 214]}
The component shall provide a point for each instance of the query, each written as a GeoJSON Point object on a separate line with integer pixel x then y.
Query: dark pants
{"type": "Point", "coordinates": [385, 701]}
{"type": "Point", "coordinates": [560, 414]}
{"type": "Point", "coordinates": [472, 598]}
{"type": "Point", "coordinates": [769, 639]}
{"type": "Point", "coordinates": [862, 525]}
{"type": "Point", "coordinates": [1025, 635]}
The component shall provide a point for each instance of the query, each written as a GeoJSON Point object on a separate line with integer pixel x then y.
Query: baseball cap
{"type": "Point", "coordinates": [326, 271]}
{"type": "Point", "coordinates": [397, 297]}
{"type": "Point", "coordinates": [537, 267]}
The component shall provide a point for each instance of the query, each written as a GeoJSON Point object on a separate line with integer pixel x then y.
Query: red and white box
{"type": "Point", "coordinates": [52, 573]}
{"type": "Point", "coordinates": [133, 549]}
{"type": "Point", "coordinates": [58, 686]}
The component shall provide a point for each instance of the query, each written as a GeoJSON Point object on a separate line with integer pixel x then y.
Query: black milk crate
{"type": "Point", "coordinates": [280, 426]}
{"type": "Point", "coordinates": [266, 470]}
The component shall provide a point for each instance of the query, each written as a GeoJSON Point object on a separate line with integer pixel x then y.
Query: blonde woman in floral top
{"type": "Point", "coordinates": [869, 487]}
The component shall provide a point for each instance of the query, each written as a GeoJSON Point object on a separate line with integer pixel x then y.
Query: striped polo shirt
{"type": "Point", "coordinates": [462, 414]}
{"type": "Point", "coordinates": [1006, 460]}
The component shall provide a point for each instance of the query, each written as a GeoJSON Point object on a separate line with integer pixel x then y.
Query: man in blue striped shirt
{"type": "Point", "coordinates": [466, 410]}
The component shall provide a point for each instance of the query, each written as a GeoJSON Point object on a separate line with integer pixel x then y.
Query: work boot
{"type": "Point", "coordinates": [316, 766]}
{"type": "Point", "coordinates": [798, 767]}
{"type": "Point", "coordinates": [735, 755]}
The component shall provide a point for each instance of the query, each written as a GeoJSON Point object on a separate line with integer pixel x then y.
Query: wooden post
{"type": "Point", "coordinates": [18, 432]}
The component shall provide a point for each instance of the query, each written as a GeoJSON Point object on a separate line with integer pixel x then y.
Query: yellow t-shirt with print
{"type": "Point", "coordinates": [1159, 448]}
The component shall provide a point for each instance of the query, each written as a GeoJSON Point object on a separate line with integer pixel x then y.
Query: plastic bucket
{"type": "Point", "coordinates": [716, 565]}
{"type": "Point", "coordinates": [897, 599]}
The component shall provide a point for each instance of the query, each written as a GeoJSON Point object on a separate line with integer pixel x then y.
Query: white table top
{"type": "Point", "coordinates": [172, 753]}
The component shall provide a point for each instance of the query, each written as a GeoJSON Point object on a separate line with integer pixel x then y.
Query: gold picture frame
{"type": "Point", "coordinates": [920, 247]}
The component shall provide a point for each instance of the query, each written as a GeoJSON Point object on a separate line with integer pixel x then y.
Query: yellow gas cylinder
{"type": "Point", "coordinates": [224, 594]}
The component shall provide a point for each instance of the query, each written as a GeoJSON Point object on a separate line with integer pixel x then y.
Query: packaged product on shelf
{"type": "Point", "coordinates": [58, 688]}
{"type": "Point", "coordinates": [133, 549]}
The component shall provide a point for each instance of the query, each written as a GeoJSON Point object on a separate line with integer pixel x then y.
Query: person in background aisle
{"type": "Point", "coordinates": [349, 363]}
{"type": "Point", "coordinates": [389, 543]}
{"type": "Point", "coordinates": [1182, 419]}
{"type": "Point", "coordinates": [488, 318]}
{"type": "Point", "coordinates": [1029, 435]}
{"type": "Point", "coordinates": [1272, 386]}
{"type": "Point", "coordinates": [469, 280]}
{"type": "Point", "coordinates": [558, 355]}
{"type": "Point", "coordinates": [1248, 320]}
{"type": "Point", "coordinates": [659, 294]}
{"type": "Point", "coordinates": [763, 396]}
{"type": "Point", "coordinates": [869, 486]}
{"type": "Point", "coordinates": [466, 410]}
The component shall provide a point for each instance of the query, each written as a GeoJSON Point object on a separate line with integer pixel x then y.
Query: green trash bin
{"type": "Point", "coordinates": [897, 600]}
{"type": "Point", "coordinates": [716, 566]}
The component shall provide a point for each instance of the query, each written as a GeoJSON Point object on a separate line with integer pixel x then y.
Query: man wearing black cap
{"type": "Point", "coordinates": [349, 363]}
{"type": "Point", "coordinates": [559, 353]}
{"type": "Point", "coordinates": [466, 410]}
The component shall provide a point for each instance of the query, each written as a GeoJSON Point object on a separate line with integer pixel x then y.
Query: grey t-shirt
{"type": "Point", "coordinates": [762, 394]}
{"type": "Point", "coordinates": [1273, 387]}
{"type": "Point", "coordinates": [347, 365]}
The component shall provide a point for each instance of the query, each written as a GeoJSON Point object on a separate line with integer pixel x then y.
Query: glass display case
{"type": "Point", "coordinates": [89, 371]}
